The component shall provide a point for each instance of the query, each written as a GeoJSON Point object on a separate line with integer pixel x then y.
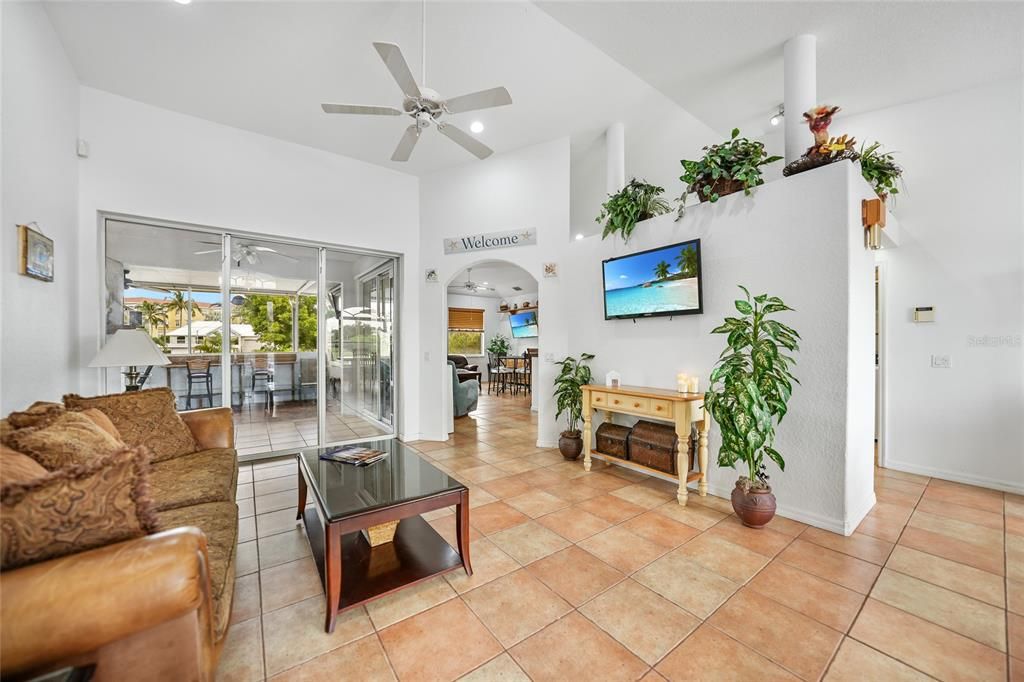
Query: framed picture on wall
{"type": "Point", "coordinates": [36, 254]}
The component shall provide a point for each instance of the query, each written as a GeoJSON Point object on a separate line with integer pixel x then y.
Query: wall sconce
{"type": "Point", "coordinates": [872, 216]}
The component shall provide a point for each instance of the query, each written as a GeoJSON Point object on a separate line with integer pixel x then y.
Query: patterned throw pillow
{"type": "Point", "coordinates": [145, 418]}
{"type": "Point", "coordinates": [36, 413]}
{"type": "Point", "coordinates": [17, 467]}
{"type": "Point", "coordinates": [76, 509]}
{"type": "Point", "coordinates": [65, 439]}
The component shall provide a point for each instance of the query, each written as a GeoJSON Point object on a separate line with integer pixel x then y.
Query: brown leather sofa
{"type": "Point", "coordinates": [152, 608]}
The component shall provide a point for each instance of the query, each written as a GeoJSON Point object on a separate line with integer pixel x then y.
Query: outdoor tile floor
{"type": "Point", "coordinates": [293, 425]}
{"type": "Point", "coordinates": [603, 576]}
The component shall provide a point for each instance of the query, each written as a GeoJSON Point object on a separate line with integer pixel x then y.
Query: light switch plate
{"type": "Point", "coordinates": [942, 362]}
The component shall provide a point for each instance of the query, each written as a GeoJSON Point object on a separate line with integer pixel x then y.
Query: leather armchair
{"type": "Point", "coordinates": [462, 362]}
{"type": "Point", "coordinates": [465, 394]}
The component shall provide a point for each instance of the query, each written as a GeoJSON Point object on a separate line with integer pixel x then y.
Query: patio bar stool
{"type": "Point", "coordinates": [199, 372]}
{"type": "Point", "coordinates": [261, 370]}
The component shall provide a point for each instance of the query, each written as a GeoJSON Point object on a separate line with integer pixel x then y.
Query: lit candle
{"type": "Point", "coordinates": [682, 382]}
{"type": "Point", "coordinates": [694, 384]}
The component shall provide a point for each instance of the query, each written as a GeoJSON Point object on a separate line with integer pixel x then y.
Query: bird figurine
{"type": "Point", "coordinates": [819, 119]}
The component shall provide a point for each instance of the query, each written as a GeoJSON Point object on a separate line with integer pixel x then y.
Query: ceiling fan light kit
{"type": "Point", "coordinates": [425, 106]}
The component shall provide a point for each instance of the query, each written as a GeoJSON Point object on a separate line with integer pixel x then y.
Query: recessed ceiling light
{"type": "Point", "coordinates": [579, 235]}
{"type": "Point", "coordinates": [777, 118]}
{"type": "Point", "coordinates": [183, 2]}
{"type": "Point", "coordinates": [476, 127]}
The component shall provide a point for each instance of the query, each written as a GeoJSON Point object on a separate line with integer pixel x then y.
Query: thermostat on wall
{"type": "Point", "coordinates": [924, 314]}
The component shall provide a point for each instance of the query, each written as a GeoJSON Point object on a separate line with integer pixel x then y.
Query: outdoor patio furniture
{"type": "Point", "coordinates": [199, 371]}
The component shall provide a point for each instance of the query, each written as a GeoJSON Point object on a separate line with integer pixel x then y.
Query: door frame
{"type": "Point", "coordinates": [360, 280]}
{"type": "Point", "coordinates": [881, 389]}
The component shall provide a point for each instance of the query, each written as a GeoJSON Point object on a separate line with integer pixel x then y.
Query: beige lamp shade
{"type": "Point", "coordinates": [129, 348]}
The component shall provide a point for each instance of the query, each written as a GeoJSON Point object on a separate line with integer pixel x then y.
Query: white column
{"type": "Point", "coordinates": [800, 92]}
{"type": "Point", "coordinates": [615, 145]}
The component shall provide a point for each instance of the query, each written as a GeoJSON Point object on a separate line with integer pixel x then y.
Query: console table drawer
{"type": "Point", "coordinates": [661, 408]}
{"type": "Point", "coordinates": [598, 399]}
{"type": "Point", "coordinates": [629, 402]}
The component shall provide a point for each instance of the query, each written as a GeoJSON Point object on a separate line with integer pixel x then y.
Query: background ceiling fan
{"type": "Point", "coordinates": [423, 105]}
{"type": "Point", "coordinates": [250, 253]}
{"type": "Point", "coordinates": [470, 285]}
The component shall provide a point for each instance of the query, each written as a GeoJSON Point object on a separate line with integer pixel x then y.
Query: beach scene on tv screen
{"type": "Point", "coordinates": [660, 281]}
{"type": "Point", "coordinates": [524, 325]}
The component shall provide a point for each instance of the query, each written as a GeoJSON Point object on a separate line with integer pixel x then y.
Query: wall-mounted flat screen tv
{"type": "Point", "coordinates": [662, 281]}
{"type": "Point", "coordinates": [524, 325]}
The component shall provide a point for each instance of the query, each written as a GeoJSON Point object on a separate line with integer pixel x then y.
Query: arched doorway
{"type": "Point", "coordinates": [476, 325]}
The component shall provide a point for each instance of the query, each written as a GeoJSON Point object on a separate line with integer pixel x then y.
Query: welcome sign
{"type": "Point", "coordinates": [491, 240]}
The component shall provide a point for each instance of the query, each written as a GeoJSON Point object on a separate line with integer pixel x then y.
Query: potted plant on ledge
{"type": "Point", "coordinates": [569, 400]}
{"type": "Point", "coordinates": [724, 169]}
{"type": "Point", "coordinates": [635, 202]}
{"type": "Point", "coordinates": [880, 170]}
{"type": "Point", "coordinates": [750, 388]}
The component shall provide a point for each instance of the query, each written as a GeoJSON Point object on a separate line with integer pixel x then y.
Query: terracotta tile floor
{"type": "Point", "coordinates": [603, 576]}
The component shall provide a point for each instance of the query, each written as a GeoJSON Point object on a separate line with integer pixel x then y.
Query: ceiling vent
{"type": "Point", "coordinates": [517, 288]}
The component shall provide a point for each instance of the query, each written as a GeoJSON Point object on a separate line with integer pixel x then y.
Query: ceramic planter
{"type": "Point", "coordinates": [755, 508]}
{"type": "Point", "coordinates": [570, 444]}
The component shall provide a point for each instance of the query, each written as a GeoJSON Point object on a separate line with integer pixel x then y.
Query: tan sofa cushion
{"type": "Point", "coordinates": [76, 509]}
{"type": "Point", "coordinates": [64, 439]}
{"type": "Point", "coordinates": [36, 412]}
{"type": "Point", "coordinates": [204, 476]}
{"type": "Point", "coordinates": [17, 467]}
{"type": "Point", "coordinates": [145, 418]}
{"type": "Point", "coordinates": [219, 522]}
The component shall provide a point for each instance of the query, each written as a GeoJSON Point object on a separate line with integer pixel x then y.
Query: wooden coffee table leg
{"type": "Point", "coordinates": [462, 530]}
{"type": "Point", "coordinates": [332, 570]}
{"type": "Point", "coordinates": [302, 496]}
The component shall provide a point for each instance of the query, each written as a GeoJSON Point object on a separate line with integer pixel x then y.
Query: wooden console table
{"type": "Point", "coordinates": [681, 409]}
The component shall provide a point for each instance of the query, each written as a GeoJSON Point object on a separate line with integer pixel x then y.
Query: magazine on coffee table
{"type": "Point", "coordinates": [354, 454]}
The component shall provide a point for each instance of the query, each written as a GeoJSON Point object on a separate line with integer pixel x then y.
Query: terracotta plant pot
{"type": "Point", "coordinates": [721, 187]}
{"type": "Point", "coordinates": [570, 444]}
{"type": "Point", "coordinates": [754, 507]}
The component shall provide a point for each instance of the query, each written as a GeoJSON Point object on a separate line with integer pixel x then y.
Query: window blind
{"type": "Point", "coordinates": [467, 319]}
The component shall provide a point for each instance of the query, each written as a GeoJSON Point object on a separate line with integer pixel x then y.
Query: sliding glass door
{"type": "Point", "coordinates": [298, 339]}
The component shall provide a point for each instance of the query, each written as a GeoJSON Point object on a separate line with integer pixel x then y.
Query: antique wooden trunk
{"type": "Point", "coordinates": [656, 446]}
{"type": "Point", "coordinates": [613, 439]}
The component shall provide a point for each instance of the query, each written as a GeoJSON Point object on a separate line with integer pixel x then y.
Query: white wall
{"type": "Point", "coordinates": [525, 188]}
{"type": "Point", "coordinates": [39, 357]}
{"type": "Point", "coordinates": [962, 251]}
{"type": "Point", "coordinates": [155, 163]}
{"type": "Point", "coordinates": [796, 239]}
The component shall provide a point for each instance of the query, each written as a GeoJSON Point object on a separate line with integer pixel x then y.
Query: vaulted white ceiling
{"type": "Point", "coordinates": [722, 61]}
{"type": "Point", "coordinates": [267, 66]}
{"type": "Point", "coordinates": [501, 276]}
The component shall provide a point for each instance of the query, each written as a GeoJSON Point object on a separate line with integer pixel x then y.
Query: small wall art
{"type": "Point", "coordinates": [551, 269]}
{"type": "Point", "coordinates": [36, 253]}
{"type": "Point", "coordinates": [430, 275]}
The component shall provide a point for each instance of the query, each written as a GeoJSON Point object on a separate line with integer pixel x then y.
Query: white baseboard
{"type": "Point", "coordinates": [408, 437]}
{"type": "Point", "coordinates": [542, 443]}
{"type": "Point", "coordinates": [955, 476]}
{"type": "Point", "coordinates": [790, 512]}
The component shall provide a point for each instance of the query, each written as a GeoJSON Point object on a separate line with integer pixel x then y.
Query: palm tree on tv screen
{"type": "Point", "coordinates": [661, 270]}
{"type": "Point", "coordinates": [687, 261]}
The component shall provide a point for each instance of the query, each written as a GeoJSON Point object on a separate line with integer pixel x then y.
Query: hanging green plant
{"type": "Point", "coordinates": [635, 202]}
{"type": "Point", "coordinates": [724, 169]}
{"type": "Point", "coordinates": [880, 169]}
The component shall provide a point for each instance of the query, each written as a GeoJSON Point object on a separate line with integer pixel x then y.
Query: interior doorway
{"type": "Point", "coordinates": [493, 333]}
{"type": "Point", "coordinates": [880, 363]}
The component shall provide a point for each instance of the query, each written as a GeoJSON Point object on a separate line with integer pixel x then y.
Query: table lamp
{"type": "Point", "coordinates": [131, 348]}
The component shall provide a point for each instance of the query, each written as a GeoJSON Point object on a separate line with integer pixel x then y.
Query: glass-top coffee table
{"type": "Point", "coordinates": [348, 498]}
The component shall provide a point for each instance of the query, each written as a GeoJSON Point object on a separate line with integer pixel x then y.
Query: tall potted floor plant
{"type": "Point", "coordinates": [750, 387]}
{"type": "Point", "coordinates": [569, 383]}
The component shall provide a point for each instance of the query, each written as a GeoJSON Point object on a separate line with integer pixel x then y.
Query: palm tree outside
{"type": "Point", "coordinates": [179, 303]}
{"type": "Point", "coordinates": [153, 315]}
{"type": "Point", "coordinates": [661, 270]}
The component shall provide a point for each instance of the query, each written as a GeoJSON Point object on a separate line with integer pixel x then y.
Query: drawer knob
{"type": "Point", "coordinates": [658, 408]}
{"type": "Point", "coordinates": [636, 404]}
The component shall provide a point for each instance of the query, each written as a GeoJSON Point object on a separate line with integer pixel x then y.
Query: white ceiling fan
{"type": "Point", "coordinates": [423, 105]}
{"type": "Point", "coordinates": [470, 285]}
{"type": "Point", "coordinates": [250, 253]}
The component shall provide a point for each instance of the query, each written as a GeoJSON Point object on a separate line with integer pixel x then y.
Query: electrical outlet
{"type": "Point", "coordinates": [426, 356]}
{"type": "Point", "coordinates": [942, 362]}
{"type": "Point", "coordinates": [549, 357]}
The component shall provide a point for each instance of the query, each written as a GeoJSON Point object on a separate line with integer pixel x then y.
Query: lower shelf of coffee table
{"type": "Point", "coordinates": [418, 552]}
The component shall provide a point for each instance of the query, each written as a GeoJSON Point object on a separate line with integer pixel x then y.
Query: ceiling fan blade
{"type": "Point", "coordinates": [203, 253]}
{"type": "Point", "coordinates": [464, 140]}
{"type": "Point", "coordinates": [360, 109]}
{"type": "Point", "coordinates": [210, 243]}
{"type": "Point", "coordinates": [405, 146]}
{"type": "Point", "coordinates": [484, 99]}
{"type": "Point", "coordinates": [393, 59]}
